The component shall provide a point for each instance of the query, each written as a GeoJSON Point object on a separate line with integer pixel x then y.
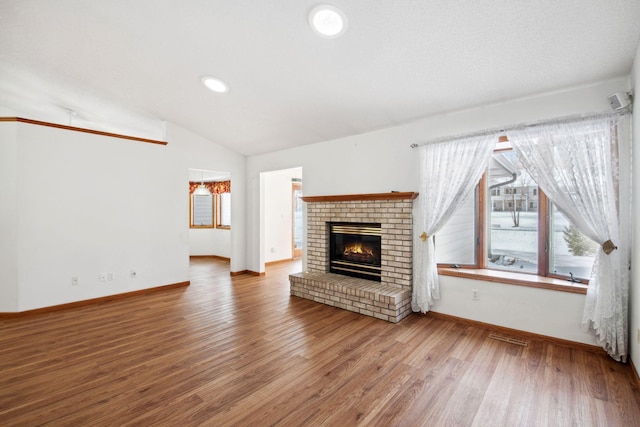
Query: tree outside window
{"type": "Point", "coordinates": [522, 230]}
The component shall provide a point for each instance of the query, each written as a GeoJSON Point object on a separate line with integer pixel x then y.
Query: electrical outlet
{"type": "Point", "coordinates": [134, 274]}
{"type": "Point", "coordinates": [475, 295]}
{"type": "Point", "coordinates": [103, 277]}
{"type": "Point", "coordinates": [75, 281]}
{"type": "Point", "coordinates": [111, 276]}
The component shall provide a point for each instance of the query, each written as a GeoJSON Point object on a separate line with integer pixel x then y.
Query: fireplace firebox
{"type": "Point", "coordinates": [355, 249]}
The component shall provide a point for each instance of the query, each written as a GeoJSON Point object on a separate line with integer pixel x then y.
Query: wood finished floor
{"type": "Point", "coordinates": [240, 351]}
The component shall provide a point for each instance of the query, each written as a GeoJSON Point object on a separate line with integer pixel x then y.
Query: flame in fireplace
{"type": "Point", "coordinates": [357, 249]}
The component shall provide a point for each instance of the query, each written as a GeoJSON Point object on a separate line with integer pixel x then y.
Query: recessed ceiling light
{"type": "Point", "coordinates": [215, 84]}
{"type": "Point", "coordinates": [328, 21]}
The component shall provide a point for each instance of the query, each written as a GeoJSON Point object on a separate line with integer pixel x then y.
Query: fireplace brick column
{"type": "Point", "coordinates": [394, 213]}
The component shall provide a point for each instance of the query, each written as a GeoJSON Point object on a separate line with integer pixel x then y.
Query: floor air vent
{"type": "Point", "coordinates": [510, 340]}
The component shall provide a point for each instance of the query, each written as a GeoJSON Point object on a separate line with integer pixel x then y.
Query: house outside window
{"type": "Point", "coordinates": [521, 230]}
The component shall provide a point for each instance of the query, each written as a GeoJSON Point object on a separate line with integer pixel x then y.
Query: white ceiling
{"type": "Point", "coordinates": [130, 64]}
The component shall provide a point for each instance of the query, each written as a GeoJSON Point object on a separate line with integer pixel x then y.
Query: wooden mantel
{"type": "Point", "coordinates": [394, 195]}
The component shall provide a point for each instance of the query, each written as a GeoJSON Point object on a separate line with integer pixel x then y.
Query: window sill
{"type": "Point", "coordinates": [511, 278]}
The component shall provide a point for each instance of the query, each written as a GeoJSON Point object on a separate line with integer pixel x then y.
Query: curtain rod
{"type": "Point", "coordinates": [566, 119]}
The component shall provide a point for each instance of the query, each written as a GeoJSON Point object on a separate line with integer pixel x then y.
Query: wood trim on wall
{"type": "Point", "coordinates": [279, 261]}
{"type": "Point", "coordinates": [635, 372]}
{"type": "Point", "coordinates": [481, 231]}
{"type": "Point", "coordinates": [518, 333]}
{"type": "Point", "coordinates": [394, 195]}
{"type": "Point", "coordinates": [77, 129]}
{"type": "Point", "coordinates": [93, 300]}
{"type": "Point", "coordinates": [249, 272]}
{"type": "Point", "coordinates": [222, 258]}
{"type": "Point", "coordinates": [543, 228]}
{"type": "Point", "coordinates": [513, 278]}
{"type": "Point", "coordinates": [225, 259]}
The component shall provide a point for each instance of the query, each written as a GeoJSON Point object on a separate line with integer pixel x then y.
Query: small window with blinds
{"type": "Point", "coordinates": [202, 211]}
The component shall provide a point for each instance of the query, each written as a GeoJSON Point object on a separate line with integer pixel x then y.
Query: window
{"type": "Point", "coordinates": [456, 242]}
{"type": "Point", "coordinates": [224, 210]}
{"type": "Point", "coordinates": [210, 205]}
{"type": "Point", "coordinates": [571, 252]}
{"type": "Point", "coordinates": [516, 229]}
{"type": "Point", "coordinates": [512, 241]}
{"type": "Point", "coordinates": [201, 208]}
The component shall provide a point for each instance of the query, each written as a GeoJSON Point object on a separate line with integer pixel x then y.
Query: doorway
{"type": "Point", "coordinates": [297, 220]}
{"type": "Point", "coordinates": [282, 215]}
{"type": "Point", "coordinates": [209, 213]}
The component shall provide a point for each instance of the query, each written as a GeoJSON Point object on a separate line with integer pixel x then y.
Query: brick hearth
{"type": "Point", "coordinates": [389, 299]}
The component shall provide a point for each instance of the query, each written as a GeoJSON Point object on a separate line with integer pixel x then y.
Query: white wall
{"type": "Point", "coordinates": [278, 204]}
{"type": "Point", "coordinates": [89, 204]}
{"type": "Point", "coordinates": [210, 241]}
{"type": "Point", "coordinates": [190, 150]}
{"type": "Point", "coordinates": [634, 314]}
{"type": "Point", "coordinates": [8, 217]}
{"type": "Point", "coordinates": [382, 161]}
{"type": "Point", "coordinates": [540, 311]}
{"type": "Point", "coordinates": [78, 205]}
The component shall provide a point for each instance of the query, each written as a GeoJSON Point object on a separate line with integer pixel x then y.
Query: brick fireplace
{"type": "Point", "coordinates": [390, 297]}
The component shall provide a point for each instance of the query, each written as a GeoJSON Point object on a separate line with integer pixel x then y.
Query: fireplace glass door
{"type": "Point", "coordinates": [355, 250]}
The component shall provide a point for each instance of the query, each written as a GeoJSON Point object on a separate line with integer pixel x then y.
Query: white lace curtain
{"type": "Point", "coordinates": [576, 164]}
{"type": "Point", "coordinates": [448, 171]}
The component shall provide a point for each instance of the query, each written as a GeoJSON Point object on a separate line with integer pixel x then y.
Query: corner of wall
{"type": "Point", "coordinates": [634, 289]}
{"type": "Point", "coordinates": [9, 301]}
{"type": "Point", "coordinates": [196, 151]}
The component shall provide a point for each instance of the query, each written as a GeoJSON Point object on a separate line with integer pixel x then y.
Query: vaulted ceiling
{"type": "Point", "coordinates": [131, 64]}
